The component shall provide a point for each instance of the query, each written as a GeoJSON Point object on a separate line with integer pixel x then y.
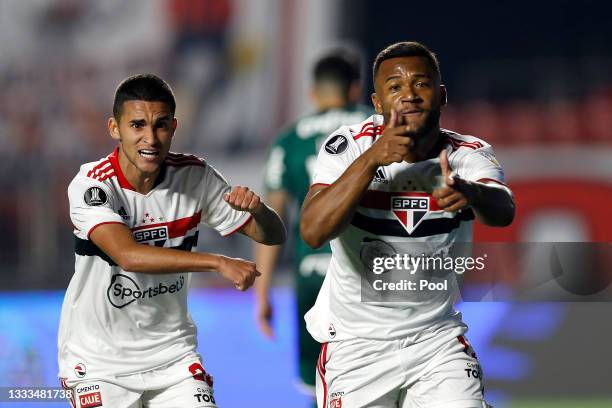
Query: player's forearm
{"type": "Point", "coordinates": [493, 204]}
{"type": "Point", "coordinates": [326, 213]}
{"type": "Point", "coordinates": [269, 228]}
{"type": "Point", "coordinates": [151, 259]}
{"type": "Point", "coordinates": [266, 258]}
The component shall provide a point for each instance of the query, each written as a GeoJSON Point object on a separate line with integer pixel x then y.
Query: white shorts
{"type": "Point", "coordinates": [193, 391]}
{"type": "Point", "coordinates": [442, 372]}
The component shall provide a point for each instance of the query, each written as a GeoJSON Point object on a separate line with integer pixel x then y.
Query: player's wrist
{"type": "Point", "coordinates": [259, 209]}
{"type": "Point", "coordinates": [470, 190]}
{"type": "Point", "coordinates": [218, 261]}
{"type": "Point", "coordinates": [370, 162]}
{"type": "Point", "coordinates": [263, 299]}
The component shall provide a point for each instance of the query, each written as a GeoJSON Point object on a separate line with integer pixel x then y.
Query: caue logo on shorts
{"type": "Point", "coordinates": [124, 290]}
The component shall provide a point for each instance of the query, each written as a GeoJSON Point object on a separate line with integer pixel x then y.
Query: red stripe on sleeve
{"type": "Point", "coordinates": [102, 223]}
{"type": "Point", "coordinates": [240, 226]}
{"type": "Point", "coordinates": [320, 184]}
{"type": "Point", "coordinates": [97, 167]}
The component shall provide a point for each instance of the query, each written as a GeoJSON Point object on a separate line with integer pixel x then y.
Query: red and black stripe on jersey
{"type": "Point", "coordinates": [176, 229]}
{"type": "Point", "coordinates": [380, 200]}
{"type": "Point", "coordinates": [426, 228]}
{"type": "Point", "coordinates": [86, 247]}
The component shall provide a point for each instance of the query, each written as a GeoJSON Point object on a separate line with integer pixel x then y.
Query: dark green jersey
{"type": "Point", "coordinates": [291, 161]}
{"type": "Point", "coordinates": [289, 167]}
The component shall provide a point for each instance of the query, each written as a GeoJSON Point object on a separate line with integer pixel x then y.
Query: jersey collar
{"type": "Point", "coordinates": [114, 159]}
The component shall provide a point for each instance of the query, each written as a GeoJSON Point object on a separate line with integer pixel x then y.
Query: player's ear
{"type": "Point", "coordinates": [174, 125]}
{"type": "Point", "coordinates": [113, 128]}
{"type": "Point", "coordinates": [376, 103]}
{"type": "Point", "coordinates": [443, 95]}
{"type": "Point", "coordinates": [354, 93]}
{"type": "Point", "coordinates": [312, 93]}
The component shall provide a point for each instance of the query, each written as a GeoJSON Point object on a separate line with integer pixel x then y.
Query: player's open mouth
{"type": "Point", "coordinates": [148, 154]}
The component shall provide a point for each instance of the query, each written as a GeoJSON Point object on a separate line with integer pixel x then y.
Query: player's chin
{"type": "Point", "coordinates": [415, 131]}
{"type": "Point", "coordinates": [149, 166]}
{"type": "Point", "coordinates": [422, 127]}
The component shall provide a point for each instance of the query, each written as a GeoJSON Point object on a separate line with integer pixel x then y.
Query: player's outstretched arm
{"type": "Point", "coordinates": [327, 210]}
{"type": "Point", "coordinates": [492, 203]}
{"type": "Point", "coordinates": [266, 259]}
{"type": "Point", "coordinates": [116, 241]}
{"type": "Point", "coordinates": [265, 227]}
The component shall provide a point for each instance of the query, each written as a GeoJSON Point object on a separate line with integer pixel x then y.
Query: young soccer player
{"type": "Point", "coordinates": [126, 339]}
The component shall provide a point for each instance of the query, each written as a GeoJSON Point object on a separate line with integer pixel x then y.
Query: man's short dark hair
{"type": "Point", "coordinates": [341, 66]}
{"type": "Point", "coordinates": [143, 87]}
{"type": "Point", "coordinates": [406, 49]}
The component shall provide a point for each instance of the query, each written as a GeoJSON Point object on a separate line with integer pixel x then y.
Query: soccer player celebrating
{"type": "Point", "coordinates": [411, 353]}
{"type": "Point", "coordinates": [126, 338]}
{"type": "Point", "coordinates": [335, 92]}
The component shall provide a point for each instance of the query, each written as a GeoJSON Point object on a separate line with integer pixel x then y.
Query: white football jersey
{"type": "Point", "coordinates": [115, 322]}
{"type": "Point", "coordinates": [341, 311]}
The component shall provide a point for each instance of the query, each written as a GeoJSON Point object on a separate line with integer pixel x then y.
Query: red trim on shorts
{"type": "Point", "coordinates": [321, 370]}
{"type": "Point", "coordinates": [249, 218]}
{"type": "Point", "coordinates": [65, 387]}
{"type": "Point", "coordinates": [466, 345]}
{"type": "Point", "coordinates": [102, 223]}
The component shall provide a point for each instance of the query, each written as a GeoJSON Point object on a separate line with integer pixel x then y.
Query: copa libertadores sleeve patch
{"type": "Point", "coordinates": [336, 144]}
{"type": "Point", "coordinates": [95, 196]}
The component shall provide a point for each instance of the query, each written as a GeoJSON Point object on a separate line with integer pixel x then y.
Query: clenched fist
{"type": "Point", "coordinates": [240, 272]}
{"type": "Point", "coordinates": [243, 199]}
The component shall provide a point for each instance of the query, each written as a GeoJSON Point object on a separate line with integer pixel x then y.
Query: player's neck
{"type": "Point", "coordinates": [141, 182]}
{"type": "Point", "coordinates": [427, 146]}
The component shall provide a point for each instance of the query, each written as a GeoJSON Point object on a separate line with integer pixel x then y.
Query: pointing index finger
{"type": "Point", "coordinates": [393, 118]}
{"type": "Point", "coordinates": [445, 167]}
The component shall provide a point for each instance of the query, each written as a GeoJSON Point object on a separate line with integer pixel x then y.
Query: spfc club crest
{"type": "Point", "coordinates": [80, 370]}
{"type": "Point", "coordinates": [410, 209]}
{"type": "Point", "coordinates": [335, 403]}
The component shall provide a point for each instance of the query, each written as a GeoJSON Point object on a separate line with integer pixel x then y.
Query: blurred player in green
{"type": "Point", "coordinates": [335, 93]}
